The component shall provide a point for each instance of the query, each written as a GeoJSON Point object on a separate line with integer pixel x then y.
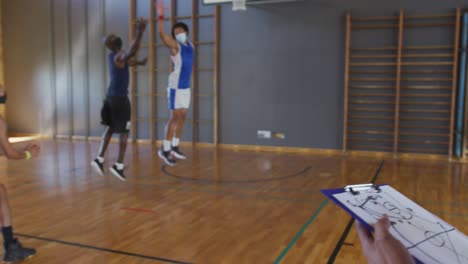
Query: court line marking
{"type": "Point", "coordinates": [301, 231]}
{"type": "Point", "coordinates": [102, 249]}
{"type": "Point", "coordinates": [341, 242]}
{"type": "Point", "coordinates": [348, 227]}
{"type": "Point", "coordinates": [233, 192]}
{"type": "Point", "coordinates": [169, 182]}
{"type": "Point", "coordinates": [238, 194]}
{"type": "Point", "coordinates": [139, 210]}
{"type": "Point", "coordinates": [312, 218]}
{"type": "Point", "coordinates": [208, 181]}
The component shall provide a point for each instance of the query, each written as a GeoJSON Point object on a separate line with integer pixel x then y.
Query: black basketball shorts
{"type": "Point", "coordinates": [115, 114]}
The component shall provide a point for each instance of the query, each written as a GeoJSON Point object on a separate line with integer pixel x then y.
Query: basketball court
{"type": "Point", "coordinates": [288, 98]}
{"type": "Point", "coordinates": [222, 206]}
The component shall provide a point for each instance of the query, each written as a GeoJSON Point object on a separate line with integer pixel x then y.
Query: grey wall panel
{"type": "Point", "coordinates": [205, 9]}
{"type": "Point", "coordinates": [117, 17]}
{"type": "Point", "coordinates": [47, 84]}
{"type": "Point", "coordinates": [206, 28]}
{"type": "Point", "coordinates": [205, 56]}
{"type": "Point", "coordinates": [204, 107]}
{"type": "Point", "coordinates": [187, 135]}
{"type": "Point", "coordinates": [428, 36]}
{"type": "Point", "coordinates": [79, 73]}
{"type": "Point", "coordinates": [62, 67]}
{"type": "Point", "coordinates": [97, 75]}
{"type": "Point", "coordinates": [27, 67]}
{"type": "Point", "coordinates": [161, 130]}
{"type": "Point", "coordinates": [162, 79]}
{"type": "Point", "coordinates": [282, 70]}
{"type": "Point", "coordinates": [142, 105]}
{"type": "Point", "coordinates": [205, 83]}
{"type": "Point", "coordinates": [143, 130]}
{"type": "Point", "coordinates": [281, 66]}
{"type": "Point", "coordinates": [163, 62]}
{"type": "Point", "coordinates": [375, 38]}
{"type": "Point", "coordinates": [184, 8]}
{"type": "Point", "coordinates": [142, 8]}
{"type": "Point", "coordinates": [205, 133]}
{"type": "Point", "coordinates": [161, 106]}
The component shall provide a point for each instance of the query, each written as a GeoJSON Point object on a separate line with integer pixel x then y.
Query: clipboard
{"type": "Point", "coordinates": [355, 190]}
{"type": "Point", "coordinates": [428, 238]}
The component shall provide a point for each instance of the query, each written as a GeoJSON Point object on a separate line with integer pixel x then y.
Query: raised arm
{"type": "Point", "coordinates": [135, 45]}
{"type": "Point", "coordinates": [168, 40]}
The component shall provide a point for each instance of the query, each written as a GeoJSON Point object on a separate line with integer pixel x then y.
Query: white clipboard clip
{"type": "Point", "coordinates": [356, 189]}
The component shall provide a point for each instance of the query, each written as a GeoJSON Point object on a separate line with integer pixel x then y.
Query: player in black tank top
{"type": "Point", "coordinates": [115, 112]}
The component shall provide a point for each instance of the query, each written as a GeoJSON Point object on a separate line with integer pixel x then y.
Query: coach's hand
{"type": "Point", "coordinates": [382, 247]}
{"type": "Point", "coordinates": [34, 149]}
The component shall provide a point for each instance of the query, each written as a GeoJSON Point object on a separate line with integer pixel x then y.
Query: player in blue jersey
{"type": "Point", "coordinates": [179, 92]}
{"type": "Point", "coordinates": [116, 110]}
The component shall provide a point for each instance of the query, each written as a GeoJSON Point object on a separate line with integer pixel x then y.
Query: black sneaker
{"type": "Point", "coordinates": [98, 167]}
{"type": "Point", "coordinates": [16, 252]}
{"type": "Point", "coordinates": [176, 153]}
{"type": "Point", "coordinates": [118, 173]}
{"type": "Point", "coordinates": [166, 157]}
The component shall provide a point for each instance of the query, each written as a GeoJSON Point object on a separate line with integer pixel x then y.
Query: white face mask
{"type": "Point", "coordinates": [181, 37]}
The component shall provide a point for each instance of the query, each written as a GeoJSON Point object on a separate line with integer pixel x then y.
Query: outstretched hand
{"type": "Point", "coordinates": [381, 247]}
{"type": "Point", "coordinates": [141, 24]}
{"type": "Point", "coordinates": [34, 149]}
{"type": "Point", "coordinates": [159, 7]}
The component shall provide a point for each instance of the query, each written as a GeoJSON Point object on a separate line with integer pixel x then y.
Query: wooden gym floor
{"type": "Point", "coordinates": [219, 206]}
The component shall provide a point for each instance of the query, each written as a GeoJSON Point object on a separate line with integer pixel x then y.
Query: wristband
{"type": "Point", "coordinates": [28, 155]}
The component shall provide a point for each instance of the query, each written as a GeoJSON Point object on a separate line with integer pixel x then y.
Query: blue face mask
{"type": "Point", "coordinates": [181, 38]}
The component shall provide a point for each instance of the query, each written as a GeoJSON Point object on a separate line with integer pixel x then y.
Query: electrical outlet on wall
{"type": "Point", "coordinates": [264, 134]}
{"type": "Point", "coordinates": [279, 135]}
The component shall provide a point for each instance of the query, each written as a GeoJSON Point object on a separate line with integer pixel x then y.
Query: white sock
{"type": "Point", "coordinates": [120, 166]}
{"type": "Point", "coordinates": [100, 159]}
{"type": "Point", "coordinates": [175, 142]}
{"type": "Point", "coordinates": [166, 145]}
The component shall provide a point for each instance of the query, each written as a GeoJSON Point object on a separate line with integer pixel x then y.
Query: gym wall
{"type": "Point", "coordinates": [281, 67]}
